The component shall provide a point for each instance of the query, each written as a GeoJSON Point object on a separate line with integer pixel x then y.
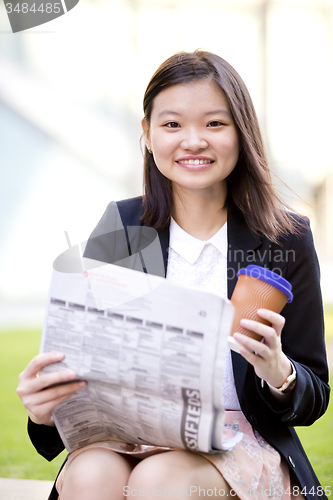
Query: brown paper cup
{"type": "Point", "coordinates": [251, 294]}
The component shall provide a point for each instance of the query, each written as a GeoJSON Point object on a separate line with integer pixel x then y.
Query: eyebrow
{"type": "Point", "coordinates": [213, 112]}
{"type": "Point", "coordinates": [218, 111]}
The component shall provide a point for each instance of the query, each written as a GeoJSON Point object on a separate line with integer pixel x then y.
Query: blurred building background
{"type": "Point", "coordinates": [71, 104]}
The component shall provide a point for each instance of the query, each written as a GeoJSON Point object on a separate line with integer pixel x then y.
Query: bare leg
{"type": "Point", "coordinates": [97, 473]}
{"type": "Point", "coordinates": [182, 473]}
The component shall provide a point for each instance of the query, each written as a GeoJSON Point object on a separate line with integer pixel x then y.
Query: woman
{"type": "Point", "coordinates": [208, 192]}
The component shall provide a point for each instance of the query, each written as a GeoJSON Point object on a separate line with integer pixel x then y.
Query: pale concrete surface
{"type": "Point", "coordinates": [24, 489]}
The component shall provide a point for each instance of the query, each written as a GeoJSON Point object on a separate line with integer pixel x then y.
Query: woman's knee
{"type": "Point", "coordinates": [178, 471]}
{"type": "Point", "coordinates": [96, 470]}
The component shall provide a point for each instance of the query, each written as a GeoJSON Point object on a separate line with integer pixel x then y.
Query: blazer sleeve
{"type": "Point", "coordinates": [45, 439]}
{"type": "Point", "coordinates": [303, 335]}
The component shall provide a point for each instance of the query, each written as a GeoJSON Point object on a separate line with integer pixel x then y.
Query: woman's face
{"type": "Point", "coordinates": [193, 136]}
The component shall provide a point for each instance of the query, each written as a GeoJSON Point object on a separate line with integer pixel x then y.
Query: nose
{"type": "Point", "coordinates": [194, 140]}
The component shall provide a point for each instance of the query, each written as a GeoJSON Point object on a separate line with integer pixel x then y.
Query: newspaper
{"type": "Point", "coordinates": [152, 353]}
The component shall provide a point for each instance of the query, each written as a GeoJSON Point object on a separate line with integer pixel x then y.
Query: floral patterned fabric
{"type": "Point", "coordinates": [253, 469]}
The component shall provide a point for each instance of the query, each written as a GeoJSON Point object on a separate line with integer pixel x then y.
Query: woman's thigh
{"type": "Point", "coordinates": [97, 473]}
{"type": "Point", "coordinates": [177, 474]}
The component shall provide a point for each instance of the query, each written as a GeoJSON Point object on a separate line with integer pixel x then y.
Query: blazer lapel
{"type": "Point", "coordinates": [241, 246]}
{"type": "Point", "coordinates": [164, 235]}
{"type": "Point", "coordinates": [241, 250]}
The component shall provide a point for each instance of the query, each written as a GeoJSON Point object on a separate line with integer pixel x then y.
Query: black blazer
{"type": "Point", "coordinates": [302, 337]}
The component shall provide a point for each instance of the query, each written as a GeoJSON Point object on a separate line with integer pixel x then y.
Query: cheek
{"type": "Point", "coordinates": [230, 147]}
{"type": "Point", "coordinates": [163, 145]}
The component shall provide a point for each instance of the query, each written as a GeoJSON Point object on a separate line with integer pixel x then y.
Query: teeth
{"type": "Point", "coordinates": [195, 162]}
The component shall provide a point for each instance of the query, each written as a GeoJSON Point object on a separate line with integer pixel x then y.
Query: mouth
{"type": "Point", "coordinates": [195, 162]}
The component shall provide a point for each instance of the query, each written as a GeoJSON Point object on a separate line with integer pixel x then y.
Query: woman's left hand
{"type": "Point", "coordinates": [267, 358]}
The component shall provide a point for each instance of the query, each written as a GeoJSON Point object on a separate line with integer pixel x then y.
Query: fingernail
{"type": "Point", "coordinates": [70, 373]}
{"type": "Point", "coordinates": [59, 355]}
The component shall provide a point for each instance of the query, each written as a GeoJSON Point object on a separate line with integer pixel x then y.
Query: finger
{"type": "Point", "coordinates": [30, 386]}
{"type": "Point", "coordinates": [246, 349]}
{"type": "Point", "coordinates": [43, 413]}
{"type": "Point", "coordinates": [37, 363]}
{"type": "Point", "coordinates": [274, 318]}
{"type": "Point", "coordinates": [267, 332]}
{"type": "Point", "coordinates": [55, 393]}
{"type": "Point", "coordinates": [49, 379]}
{"type": "Point", "coordinates": [250, 346]}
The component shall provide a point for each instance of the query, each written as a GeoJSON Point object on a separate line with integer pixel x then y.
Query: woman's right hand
{"type": "Point", "coordinates": [32, 389]}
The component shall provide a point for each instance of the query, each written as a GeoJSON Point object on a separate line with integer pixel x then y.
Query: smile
{"type": "Point", "coordinates": [195, 162]}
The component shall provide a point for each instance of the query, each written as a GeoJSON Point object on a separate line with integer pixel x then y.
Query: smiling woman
{"type": "Point", "coordinates": [208, 192]}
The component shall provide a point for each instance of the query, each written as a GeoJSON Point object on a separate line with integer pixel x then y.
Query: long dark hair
{"type": "Point", "coordinates": [249, 186]}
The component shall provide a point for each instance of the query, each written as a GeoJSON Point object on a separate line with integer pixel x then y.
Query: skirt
{"type": "Point", "coordinates": [252, 468]}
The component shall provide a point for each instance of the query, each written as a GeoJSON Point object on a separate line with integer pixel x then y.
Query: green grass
{"type": "Point", "coordinates": [328, 312]}
{"type": "Point", "coordinates": [18, 458]}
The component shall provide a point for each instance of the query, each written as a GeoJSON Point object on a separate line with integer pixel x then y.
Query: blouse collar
{"type": "Point", "coordinates": [190, 248]}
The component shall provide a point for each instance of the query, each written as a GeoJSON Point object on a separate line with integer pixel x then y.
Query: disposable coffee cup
{"type": "Point", "coordinates": [257, 288]}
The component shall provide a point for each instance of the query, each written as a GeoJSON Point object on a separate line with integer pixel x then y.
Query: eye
{"type": "Point", "coordinates": [215, 123]}
{"type": "Point", "coordinates": [172, 125]}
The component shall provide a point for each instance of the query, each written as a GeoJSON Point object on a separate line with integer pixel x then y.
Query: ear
{"type": "Point", "coordinates": [145, 129]}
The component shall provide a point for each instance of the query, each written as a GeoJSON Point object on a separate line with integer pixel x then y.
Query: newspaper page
{"type": "Point", "coordinates": [151, 351]}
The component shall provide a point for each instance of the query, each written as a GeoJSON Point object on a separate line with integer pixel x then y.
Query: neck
{"type": "Point", "coordinates": [200, 214]}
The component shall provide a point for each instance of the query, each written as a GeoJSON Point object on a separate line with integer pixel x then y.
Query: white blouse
{"type": "Point", "coordinates": [203, 264]}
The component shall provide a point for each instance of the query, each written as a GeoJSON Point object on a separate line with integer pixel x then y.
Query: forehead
{"type": "Point", "coordinates": [199, 96]}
